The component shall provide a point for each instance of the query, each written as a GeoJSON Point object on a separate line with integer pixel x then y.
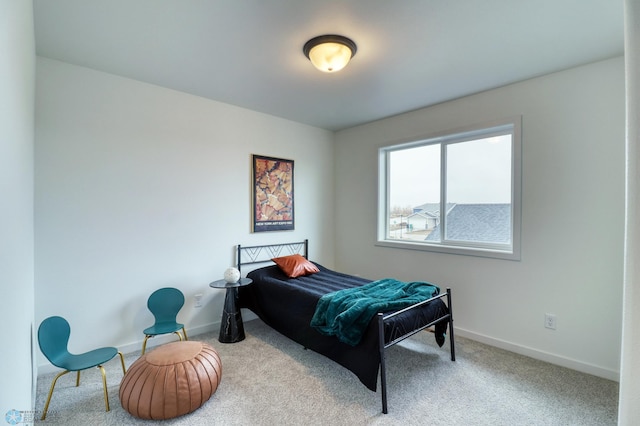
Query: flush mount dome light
{"type": "Point", "coordinates": [330, 53]}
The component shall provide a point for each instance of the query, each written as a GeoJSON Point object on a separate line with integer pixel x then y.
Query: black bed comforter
{"type": "Point", "coordinates": [288, 304]}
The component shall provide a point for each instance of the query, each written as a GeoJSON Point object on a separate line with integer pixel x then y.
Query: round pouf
{"type": "Point", "coordinates": [172, 380]}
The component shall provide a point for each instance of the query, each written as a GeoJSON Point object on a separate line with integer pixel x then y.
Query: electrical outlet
{"type": "Point", "coordinates": [198, 300]}
{"type": "Point", "coordinates": [550, 321]}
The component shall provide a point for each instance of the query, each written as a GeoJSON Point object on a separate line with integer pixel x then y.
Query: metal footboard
{"type": "Point", "coordinates": [384, 345]}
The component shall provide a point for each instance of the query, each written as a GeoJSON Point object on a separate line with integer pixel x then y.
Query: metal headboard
{"type": "Point", "coordinates": [249, 255]}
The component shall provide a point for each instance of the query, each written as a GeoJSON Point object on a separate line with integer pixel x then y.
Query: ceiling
{"type": "Point", "coordinates": [411, 53]}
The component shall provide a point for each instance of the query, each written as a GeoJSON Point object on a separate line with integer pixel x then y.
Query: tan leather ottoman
{"type": "Point", "coordinates": [172, 380]}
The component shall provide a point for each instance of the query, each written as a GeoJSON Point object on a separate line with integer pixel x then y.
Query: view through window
{"type": "Point", "coordinates": [453, 193]}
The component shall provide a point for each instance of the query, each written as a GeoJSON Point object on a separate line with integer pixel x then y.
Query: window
{"type": "Point", "coordinates": [454, 193]}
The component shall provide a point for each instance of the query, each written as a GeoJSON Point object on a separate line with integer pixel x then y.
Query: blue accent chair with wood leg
{"type": "Point", "coordinates": [165, 304]}
{"type": "Point", "coordinates": [53, 338]}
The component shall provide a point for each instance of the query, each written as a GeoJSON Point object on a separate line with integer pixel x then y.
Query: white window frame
{"type": "Point", "coordinates": [510, 251]}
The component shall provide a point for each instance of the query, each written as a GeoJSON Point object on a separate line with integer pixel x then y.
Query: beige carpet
{"type": "Point", "coordinates": [269, 380]}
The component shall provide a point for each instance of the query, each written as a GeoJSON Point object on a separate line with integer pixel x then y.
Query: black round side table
{"type": "Point", "coordinates": [231, 327]}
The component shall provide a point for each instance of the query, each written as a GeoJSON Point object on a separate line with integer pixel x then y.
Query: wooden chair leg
{"type": "Point", "coordinates": [53, 384]}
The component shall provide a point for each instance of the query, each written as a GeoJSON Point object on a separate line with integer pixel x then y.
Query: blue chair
{"type": "Point", "coordinates": [53, 338]}
{"type": "Point", "coordinates": [165, 304]}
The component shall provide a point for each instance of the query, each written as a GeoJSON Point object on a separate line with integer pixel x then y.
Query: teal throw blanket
{"type": "Point", "coordinates": [346, 313]}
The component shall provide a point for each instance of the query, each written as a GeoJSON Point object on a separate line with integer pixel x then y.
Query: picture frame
{"type": "Point", "coordinates": [273, 195]}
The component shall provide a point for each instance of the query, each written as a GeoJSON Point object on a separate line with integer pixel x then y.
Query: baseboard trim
{"type": "Point", "coordinates": [502, 344]}
{"type": "Point", "coordinates": [541, 355]}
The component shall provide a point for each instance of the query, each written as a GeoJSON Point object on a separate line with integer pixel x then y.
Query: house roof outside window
{"type": "Point", "coordinates": [476, 222]}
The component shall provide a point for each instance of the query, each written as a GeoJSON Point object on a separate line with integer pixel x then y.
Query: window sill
{"type": "Point", "coordinates": [451, 249]}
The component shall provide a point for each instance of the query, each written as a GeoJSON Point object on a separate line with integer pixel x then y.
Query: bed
{"type": "Point", "coordinates": [288, 305]}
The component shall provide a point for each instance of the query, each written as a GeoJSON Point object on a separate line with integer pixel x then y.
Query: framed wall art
{"type": "Point", "coordinates": [272, 194]}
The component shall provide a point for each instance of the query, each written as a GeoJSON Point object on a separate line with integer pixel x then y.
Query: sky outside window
{"type": "Point", "coordinates": [478, 171]}
{"type": "Point", "coordinates": [415, 176]}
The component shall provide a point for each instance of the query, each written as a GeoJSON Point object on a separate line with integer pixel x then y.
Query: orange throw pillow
{"type": "Point", "coordinates": [295, 265]}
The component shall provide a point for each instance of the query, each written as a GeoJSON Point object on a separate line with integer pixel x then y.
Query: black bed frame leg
{"type": "Point", "coordinates": [383, 368]}
{"type": "Point", "coordinates": [451, 338]}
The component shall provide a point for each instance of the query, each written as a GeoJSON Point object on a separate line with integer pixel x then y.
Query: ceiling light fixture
{"type": "Point", "coordinates": [330, 53]}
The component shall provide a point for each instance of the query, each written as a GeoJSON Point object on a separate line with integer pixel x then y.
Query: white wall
{"type": "Point", "coordinates": [139, 187]}
{"type": "Point", "coordinates": [572, 220]}
{"type": "Point", "coordinates": [17, 69]}
{"type": "Point", "coordinates": [629, 407]}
